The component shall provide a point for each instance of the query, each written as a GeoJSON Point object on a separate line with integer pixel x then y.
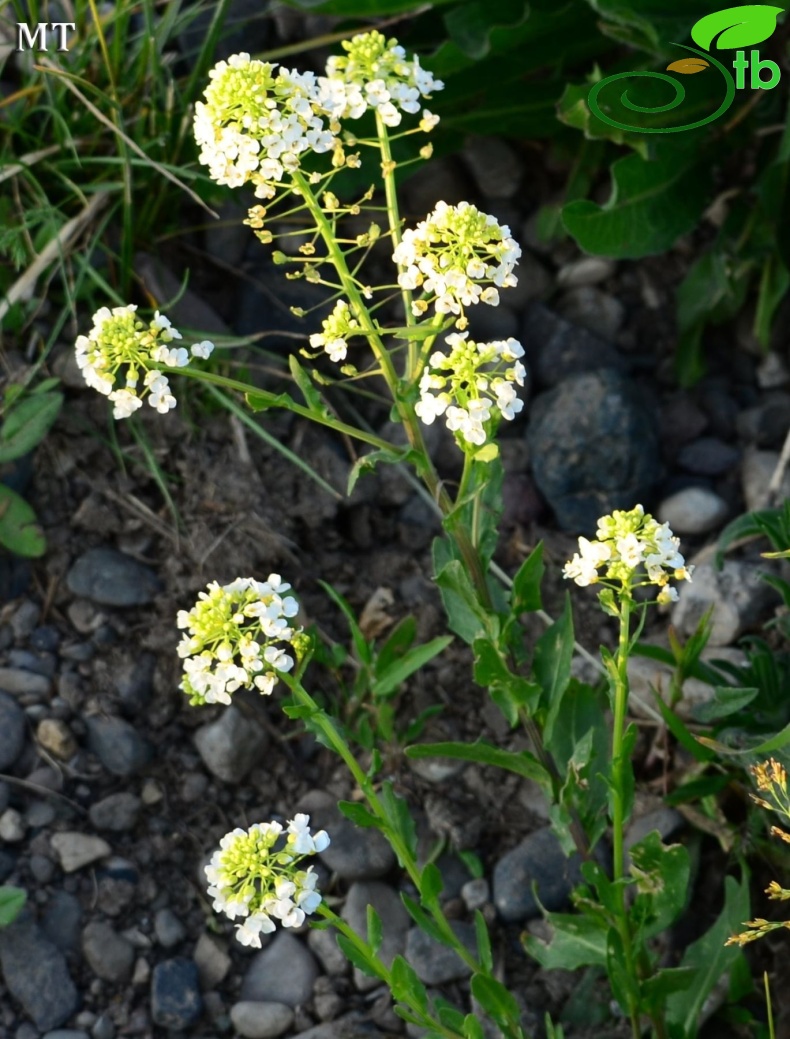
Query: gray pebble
{"type": "Point", "coordinates": [284, 972]}
{"type": "Point", "coordinates": [42, 868]}
{"type": "Point", "coordinates": [212, 960]}
{"type": "Point", "coordinates": [117, 812]}
{"type": "Point", "coordinates": [12, 826]}
{"type": "Point", "coordinates": [62, 921]}
{"type": "Point", "coordinates": [66, 1033]}
{"type": "Point", "coordinates": [24, 619]}
{"type": "Point", "coordinates": [435, 963]}
{"type": "Point", "coordinates": [588, 307]}
{"type": "Point", "coordinates": [694, 510]}
{"type": "Point", "coordinates": [39, 814]}
{"type": "Point", "coordinates": [708, 456]}
{"type": "Point", "coordinates": [538, 860]}
{"type": "Point", "coordinates": [19, 682]}
{"type": "Point", "coordinates": [112, 578]}
{"type": "Point", "coordinates": [176, 1001]}
{"type": "Point", "coordinates": [134, 682]}
{"type": "Point", "coordinates": [103, 1028]}
{"type": "Point", "coordinates": [108, 953]}
{"type": "Point", "coordinates": [118, 745]}
{"type": "Point", "coordinates": [738, 595]}
{"type": "Point", "coordinates": [496, 167]}
{"type": "Point", "coordinates": [324, 945]}
{"type": "Point", "coordinates": [168, 928]}
{"type": "Point", "coordinates": [36, 975]}
{"type": "Point", "coordinates": [255, 1020]}
{"type": "Point", "coordinates": [355, 853]}
{"type": "Point", "coordinates": [76, 850]}
{"type": "Point", "coordinates": [12, 731]}
{"type": "Point", "coordinates": [475, 893]}
{"type": "Point", "coordinates": [556, 348]}
{"type": "Point", "coordinates": [394, 922]}
{"type": "Point", "coordinates": [231, 745]}
{"type": "Point", "coordinates": [588, 270]}
{"type": "Point", "coordinates": [757, 469]}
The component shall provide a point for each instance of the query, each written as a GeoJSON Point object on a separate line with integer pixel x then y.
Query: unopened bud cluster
{"type": "Point", "coordinates": [235, 636]}
{"type": "Point", "coordinates": [255, 875]}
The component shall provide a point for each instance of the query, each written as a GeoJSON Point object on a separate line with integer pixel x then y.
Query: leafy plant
{"type": "Point", "coordinates": [12, 901]}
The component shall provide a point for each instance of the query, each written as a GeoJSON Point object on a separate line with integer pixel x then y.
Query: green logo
{"type": "Point", "coordinates": [735, 28]}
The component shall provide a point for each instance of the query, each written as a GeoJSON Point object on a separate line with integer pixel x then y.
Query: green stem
{"type": "Point", "coordinates": [620, 690]}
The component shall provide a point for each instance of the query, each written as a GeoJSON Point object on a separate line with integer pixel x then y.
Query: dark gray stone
{"type": "Point", "coordinates": [538, 860]}
{"type": "Point", "coordinates": [176, 1001]}
{"type": "Point", "coordinates": [556, 349]}
{"type": "Point", "coordinates": [231, 745]}
{"type": "Point", "coordinates": [168, 928]}
{"type": "Point", "coordinates": [594, 448]}
{"type": "Point", "coordinates": [62, 921]}
{"type": "Point", "coordinates": [118, 745]}
{"type": "Point", "coordinates": [708, 456]}
{"type": "Point", "coordinates": [112, 578]}
{"type": "Point", "coordinates": [434, 963]}
{"type": "Point", "coordinates": [116, 812]}
{"type": "Point", "coordinates": [355, 853]}
{"type": "Point", "coordinates": [12, 731]}
{"type": "Point", "coordinates": [36, 975]}
{"type": "Point", "coordinates": [394, 922]}
{"type": "Point", "coordinates": [108, 953]}
{"type": "Point", "coordinates": [284, 972]}
{"type": "Point", "coordinates": [134, 683]}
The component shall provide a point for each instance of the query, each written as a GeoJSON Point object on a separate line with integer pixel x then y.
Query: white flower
{"type": "Point", "coordinates": [249, 933]}
{"type": "Point", "coordinates": [202, 349]}
{"type": "Point", "coordinates": [302, 842]}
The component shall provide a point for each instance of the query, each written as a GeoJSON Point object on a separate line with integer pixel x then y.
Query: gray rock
{"type": "Point", "coordinates": [594, 448]}
{"type": "Point", "coordinates": [663, 819]}
{"type": "Point", "coordinates": [19, 682]}
{"type": "Point", "coordinates": [757, 469]}
{"type": "Point", "coordinates": [476, 893]}
{"type": "Point", "coordinates": [134, 683]}
{"type": "Point", "coordinates": [40, 814]}
{"type": "Point", "coordinates": [556, 349]}
{"type": "Point", "coordinates": [108, 953]}
{"type": "Point", "coordinates": [42, 868]}
{"type": "Point", "coordinates": [539, 860]}
{"type": "Point", "coordinates": [12, 731]}
{"type": "Point", "coordinates": [261, 1020]}
{"type": "Point", "coordinates": [694, 510]}
{"type": "Point", "coordinates": [212, 961]}
{"type": "Point", "coordinates": [231, 745]}
{"type": "Point", "coordinates": [355, 1025]}
{"type": "Point", "coordinates": [588, 270]}
{"type": "Point", "coordinates": [739, 597]}
{"type": "Point", "coordinates": [112, 578]}
{"type": "Point", "coordinates": [103, 1028]}
{"type": "Point", "coordinates": [708, 456]}
{"type": "Point", "coordinates": [435, 963]}
{"type": "Point", "coordinates": [176, 1001]}
{"type": "Point", "coordinates": [494, 165]}
{"type": "Point", "coordinates": [36, 975]}
{"type": "Point", "coordinates": [54, 735]}
{"type": "Point", "coordinates": [355, 853]}
{"type": "Point", "coordinates": [116, 812]}
{"type": "Point", "coordinates": [190, 309]}
{"type": "Point", "coordinates": [118, 745]}
{"type": "Point", "coordinates": [66, 1033]}
{"type": "Point", "coordinates": [681, 420]}
{"type": "Point", "coordinates": [766, 424]}
{"type": "Point", "coordinates": [75, 850]}
{"type": "Point", "coordinates": [324, 945]}
{"type": "Point", "coordinates": [168, 928]}
{"type": "Point", "coordinates": [24, 619]}
{"type": "Point", "coordinates": [62, 921]}
{"type": "Point", "coordinates": [588, 307]}
{"type": "Point", "coordinates": [394, 922]}
{"type": "Point", "coordinates": [282, 973]}
{"type": "Point", "coordinates": [772, 372]}
{"type": "Point", "coordinates": [265, 304]}
{"type": "Point", "coordinates": [7, 863]}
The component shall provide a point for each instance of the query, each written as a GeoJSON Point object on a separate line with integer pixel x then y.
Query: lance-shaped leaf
{"type": "Point", "coordinates": [688, 66]}
{"type": "Point", "coordinates": [736, 26]}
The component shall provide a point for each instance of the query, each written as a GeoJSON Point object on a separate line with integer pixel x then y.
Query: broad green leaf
{"type": "Point", "coordinates": [260, 400]}
{"type": "Point", "coordinates": [552, 664]}
{"type": "Point", "coordinates": [661, 873]}
{"type": "Point", "coordinates": [573, 110]}
{"type": "Point", "coordinates": [388, 680]}
{"type": "Point", "coordinates": [358, 814]}
{"type": "Point", "coordinates": [523, 763]}
{"type": "Point", "coordinates": [451, 1018]}
{"type": "Point", "coordinates": [361, 959]}
{"type": "Point", "coordinates": [374, 929]}
{"type": "Point", "coordinates": [12, 899]}
{"type": "Point", "coordinates": [510, 692]}
{"type": "Point", "coordinates": [465, 616]}
{"type": "Point", "coordinates": [651, 205]}
{"type": "Point", "coordinates": [526, 584]}
{"type": "Point", "coordinates": [472, 1028]}
{"type": "Point", "coordinates": [496, 1001]}
{"type": "Point", "coordinates": [20, 531]}
{"type": "Point", "coordinates": [709, 958]}
{"type": "Point", "coordinates": [577, 941]}
{"type": "Point", "coordinates": [736, 26]}
{"type": "Point", "coordinates": [27, 424]}
{"type": "Point", "coordinates": [665, 982]}
{"type": "Point", "coordinates": [649, 24]}
{"type": "Point", "coordinates": [312, 397]}
{"type": "Point", "coordinates": [469, 25]}
{"type": "Point", "coordinates": [678, 729]}
{"type": "Point", "coordinates": [624, 985]}
{"type": "Point", "coordinates": [697, 789]}
{"type": "Point", "coordinates": [406, 986]}
{"type": "Point", "coordinates": [726, 700]}
{"type": "Point", "coordinates": [774, 743]}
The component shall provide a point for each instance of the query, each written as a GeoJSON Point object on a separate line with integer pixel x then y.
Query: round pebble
{"type": "Point", "coordinates": [694, 510]}
{"type": "Point", "coordinates": [261, 1020]}
{"type": "Point", "coordinates": [57, 738]}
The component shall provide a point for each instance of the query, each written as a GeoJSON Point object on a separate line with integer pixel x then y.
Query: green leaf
{"type": "Point", "coordinates": [552, 664]}
{"type": "Point", "coordinates": [678, 729]}
{"type": "Point", "coordinates": [774, 283]}
{"type": "Point", "coordinates": [726, 700]}
{"type": "Point", "coordinates": [260, 400]}
{"type": "Point", "coordinates": [651, 205]}
{"type": "Point", "coordinates": [27, 424]}
{"type": "Point", "coordinates": [406, 986]}
{"type": "Point", "coordinates": [312, 397]}
{"type": "Point", "coordinates": [358, 814]}
{"type": "Point", "coordinates": [465, 616]}
{"type": "Point", "coordinates": [774, 743]}
{"type": "Point", "coordinates": [469, 24]}
{"type": "Point", "coordinates": [578, 941]}
{"type": "Point", "coordinates": [472, 1028]}
{"type": "Point", "coordinates": [374, 929]}
{"type": "Point", "coordinates": [709, 958]}
{"type": "Point", "coordinates": [483, 938]}
{"type": "Point", "coordinates": [523, 763]}
{"type": "Point", "coordinates": [12, 899]}
{"type": "Point", "coordinates": [20, 531]}
{"type": "Point", "coordinates": [421, 918]}
{"type": "Point", "coordinates": [388, 680]}
{"type": "Point", "coordinates": [525, 597]}
{"type": "Point", "coordinates": [362, 647]}
{"type": "Point", "coordinates": [361, 959]}
{"type": "Point", "coordinates": [736, 26]}
{"type": "Point", "coordinates": [367, 463]}
{"type": "Point", "coordinates": [431, 883]}
{"type": "Point", "coordinates": [573, 110]}
{"type": "Point", "coordinates": [666, 982]}
{"type": "Point", "coordinates": [496, 1001]}
{"type": "Point", "coordinates": [662, 874]}
{"type": "Point", "coordinates": [399, 817]}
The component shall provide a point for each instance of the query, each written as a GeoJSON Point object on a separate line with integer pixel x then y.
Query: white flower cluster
{"type": "Point", "coordinates": [375, 73]}
{"type": "Point", "coordinates": [257, 121]}
{"type": "Point", "coordinates": [119, 340]}
{"type": "Point", "coordinates": [457, 256]}
{"type": "Point", "coordinates": [625, 542]}
{"type": "Point", "coordinates": [248, 878]}
{"type": "Point", "coordinates": [336, 330]}
{"type": "Point", "coordinates": [467, 383]}
{"type": "Point", "coordinates": [235, 636]}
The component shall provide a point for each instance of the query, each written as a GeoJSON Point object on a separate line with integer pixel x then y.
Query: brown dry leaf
{"type": "Point", "coordinates": [688, 66]}
{"type": "Point", "coordinates": [375, 619]}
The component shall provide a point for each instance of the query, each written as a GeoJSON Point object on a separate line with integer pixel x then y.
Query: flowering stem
{"type": "Point", "coordinates": [619, 794]}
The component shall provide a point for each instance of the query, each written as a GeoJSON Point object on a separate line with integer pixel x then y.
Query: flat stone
{"type": "Point", "coordinates": [708, 456]}
{"type": "Point", "coordinates": [212, 960]}
{"type": "Point", "coordinates": [13, 726]}
{"type": "Point", "coordinates": [324, 946]}
{"type": "Point", "coordinates": [56, 738]}
{"type": "Point", "coordinates": [168, 928]}
{"type": "Point", "coordinates": [62, 921]}
{"type": "Point", "coordinates": [394, 922]}
{"type": "Point", "coordinates": [434, 963]}
{"type": "Point", "coordinates": [757, 469]}
{"type": "Point", "coordinates": [737, 593]}
{"type": "Point", "coordinates": [355, 853]}
{"type": "Point", "coordinates": [112, 578]}
{"type": "Point", "coordinates": [694, 510]}
{"type": "Point", "coordinates": [116, 812]}
{"type": "Point", "coordinates": [254, 1020]}
{"type": "Point", "coordinates": [75, 850]}
{"type": "Point", "coordinates": [190, 309]}
{"type": "Point", "coordinates": [540, 861]}
{"type": "Point", "coordinates": [19, 682]}
{"type": "Point", "coordinates": [589, 270]}
{"type": "Point", "coordinates": [66, 1033]}
{"type": "Point", "coordinates": [36, 975]}
{"type": "Point", "coordinates": [284, 972]}
{"type": "Point", "coordinates": [176, 1001]}
{"type": "Point", "coordinates": [108, 953]}
{"type": "Point", "coordinates": [118, 745]}
{"type": "Point", "coordinates": [231, 745]}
